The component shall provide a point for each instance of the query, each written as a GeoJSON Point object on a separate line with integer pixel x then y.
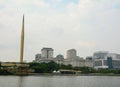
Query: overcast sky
{"type": "Point", "coordinates": [85, 25]}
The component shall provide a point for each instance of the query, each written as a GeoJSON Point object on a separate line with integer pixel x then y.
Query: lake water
{"type": "Point", "coordinates": [59, 81]}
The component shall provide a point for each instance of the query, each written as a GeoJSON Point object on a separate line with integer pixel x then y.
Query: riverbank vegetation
{"type": "Point", "coordinates": [4, 72]}
{"type": "Point", "coordinates": [52, 66]}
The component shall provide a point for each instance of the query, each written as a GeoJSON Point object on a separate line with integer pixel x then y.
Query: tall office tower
{"type": "Point", "coordinates": [71, 54]}
{"type": "Point", "coordinates": [47, 53]}
{"type": "Point", "coordinates": [22, 42]}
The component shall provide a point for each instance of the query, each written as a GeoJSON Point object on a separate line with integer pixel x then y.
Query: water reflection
{"type": "Point", "coordinates": [59, 81]}
{"type": "Point", "coordinates": [46, 82]}
{"type": "Point", "coordinates": [21, 81]}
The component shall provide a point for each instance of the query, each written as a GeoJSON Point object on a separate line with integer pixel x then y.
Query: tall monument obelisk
{"type": "Point", "coordinates": [22, 42]}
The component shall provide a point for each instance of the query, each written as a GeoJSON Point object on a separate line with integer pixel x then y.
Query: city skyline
{"type": "Point", "coordinates": [85, 25]}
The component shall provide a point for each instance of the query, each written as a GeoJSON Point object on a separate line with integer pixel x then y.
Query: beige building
{"type": "Point", "coordinates": [71, 54]}
{"type": "Point", "coordinates": [79, 63]}
{"type": "Point", "coordinates": [72, 58]}
{"type": "Point", "coordinates": [47, 53]}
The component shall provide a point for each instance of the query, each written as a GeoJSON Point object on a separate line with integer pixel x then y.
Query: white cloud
{"type": "Point", "coordinates": [84, 44]}
{"type": "Point", "coordinates": [87, 26]}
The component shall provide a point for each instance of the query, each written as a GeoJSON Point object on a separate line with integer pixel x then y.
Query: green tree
{"type": "Point", "coordinates": [44, 67]}
{"type": "Point", "coordinates": [85, 70]}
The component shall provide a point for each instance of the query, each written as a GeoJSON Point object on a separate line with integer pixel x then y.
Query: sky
{"type": "Point", "coordinates": [85, 25]}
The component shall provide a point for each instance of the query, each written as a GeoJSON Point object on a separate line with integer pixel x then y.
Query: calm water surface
{"type": "Point", "coordinates": [59, 81]}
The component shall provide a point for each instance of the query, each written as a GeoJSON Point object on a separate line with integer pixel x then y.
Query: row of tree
{"type": "Point", "coordinates": [44, 67]}
{"type": "Point", "coordinates": [4, 72]}
{"type": "Point", "coordinates": [51, 66]}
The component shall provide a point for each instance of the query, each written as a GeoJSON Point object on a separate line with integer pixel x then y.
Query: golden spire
{"type": "Point", "coordinates": [22, 42]}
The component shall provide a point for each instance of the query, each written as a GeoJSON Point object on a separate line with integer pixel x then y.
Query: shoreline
{"type": "Point", "coordinates": [93, 74]}
{"type": "Point", "coordinates": [49, 74]}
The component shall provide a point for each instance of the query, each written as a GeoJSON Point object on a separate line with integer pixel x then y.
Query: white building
{"type": "Point", "coordinates": [113, 55]}
{"type": "Point", "coordinates": [71, 54]}
{"type": "Point", "coordinates": [72, 58]}
{"type": "Point", "coordinates": [47, 53]}
{"type": "Point", "coordinates": [105, 55]}
{"type": "Point", "coordinates": [100, 64]}
{"type": "Point", "coordinates": [100, 55]}
{"type": "Point", "coordinates": [106, 60]}
{"type": "Point", "coordinates": [79, 63]}
{"type": "Point", "coordinates": [108, 63]}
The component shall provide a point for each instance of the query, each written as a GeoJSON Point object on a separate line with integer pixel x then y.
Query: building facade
{"type": "Point", "coordinates": [105, 55]}
{"type": "Point", "coordinates": [47, 53]}
{"type": "Point", "coordinates": [72, 58]}
{"type": "Point", "coordinates": [100, 55]}
{"type": "Point", "coordinates": [113, 55]}
{"type": "Point", "coordinates": [71, 54]}
{"type": "Point", "coordinates": [108, 63]}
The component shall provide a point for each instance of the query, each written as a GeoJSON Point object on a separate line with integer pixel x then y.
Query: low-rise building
{"type": "Point", "coordinates": [108, 63]}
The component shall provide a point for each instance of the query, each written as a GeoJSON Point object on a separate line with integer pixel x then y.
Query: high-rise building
{"type": "Point", "coordinates": [71, 54]}
{"type": "Point", "coordinates": [47, 53]}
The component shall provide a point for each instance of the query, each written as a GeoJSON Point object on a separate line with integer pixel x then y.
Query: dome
{"type": "Point", "coordinates": [60, 57]}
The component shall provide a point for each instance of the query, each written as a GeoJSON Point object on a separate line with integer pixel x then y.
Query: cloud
{"type": "Point", "coordinates": [85, 44]}
{"type": "Point", "coordinates": [20, 6]}
{"type": "Point", "coordinates": [87, 25]}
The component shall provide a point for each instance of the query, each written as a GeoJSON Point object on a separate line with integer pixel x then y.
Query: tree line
{"type": "Point", "coordinates": [52, 66]}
